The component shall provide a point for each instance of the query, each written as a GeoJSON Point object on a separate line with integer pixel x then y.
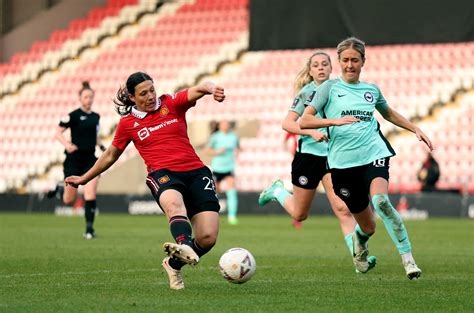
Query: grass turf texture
{"type": "Point", "coordinates": [46, 266]}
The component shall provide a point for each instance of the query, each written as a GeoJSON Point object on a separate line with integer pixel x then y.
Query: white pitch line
{"type": "Point", "coordinates": [100, 272]}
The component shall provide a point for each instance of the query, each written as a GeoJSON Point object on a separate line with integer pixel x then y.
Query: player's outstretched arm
{"type": "Point", "coordinates": [310, 120]}
{"type": "Point", "coordinates": [396, 118]}
{"type": "Point", "coordinates": [109, 157]}
{"type": "Point", "coordinates": [206, 88]}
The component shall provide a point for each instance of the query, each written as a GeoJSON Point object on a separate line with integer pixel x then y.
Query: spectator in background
{"type": "Point", "coordinates": [222, 146]}
{"type": "Point", "coordinates": [429, 173]}
{"type": "Point", "coordinates": [80, 154]}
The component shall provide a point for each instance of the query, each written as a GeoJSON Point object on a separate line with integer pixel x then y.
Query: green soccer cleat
{"type": "Point", "coordinates": [232, 220]}
{"type": "Point", "coordinates": [267, 194]}
{"type": "Point", "coordinates": [372, 260]}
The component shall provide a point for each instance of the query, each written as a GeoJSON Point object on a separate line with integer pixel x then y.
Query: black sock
{"type": "Point", "coordinates": [89, 213]}
{"type": "Point", "coordinates": [200, 251]}
{"type": "Point", "coordinates": [181, 230]}
{"type": "Point", "coordinates": [176, 264]}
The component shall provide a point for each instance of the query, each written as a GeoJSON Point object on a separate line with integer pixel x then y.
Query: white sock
{"type": "Point", "coordinates": [408, 258]}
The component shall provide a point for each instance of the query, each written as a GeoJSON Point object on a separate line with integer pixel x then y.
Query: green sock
{"type": "Point", "coordinates": [232, 202]}
{"type": "Point", "coordinates": [361, 236]}
{"type": "Point", "coordinates": [350, 246]}
{"type": "Point", "coordinates": [281, 194]}
{"type": "Point", "coordinates": [393, 222]}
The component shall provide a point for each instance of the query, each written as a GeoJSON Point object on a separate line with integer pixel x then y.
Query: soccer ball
{"type": "Point", "coordinates": [237, 265]}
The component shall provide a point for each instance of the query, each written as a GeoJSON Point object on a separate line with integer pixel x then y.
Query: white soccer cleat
{"type": "Point", "coordinates": [183, 253]}
{"type": "Point", "coordinates": [174, 276]}
{"type": "Point", "coordinates": [413, 272]}
{"type": "Point", "coordinates": [89, 236]}
{"type": "Point", "coordinates": [361, 252]}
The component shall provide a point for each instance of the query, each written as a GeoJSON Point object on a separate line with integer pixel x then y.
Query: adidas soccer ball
{"type": "Point", "coordinates": [237, 265]}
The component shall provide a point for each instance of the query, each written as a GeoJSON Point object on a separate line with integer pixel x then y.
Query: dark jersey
{"type": "Point", "coordinates": [84, 129]}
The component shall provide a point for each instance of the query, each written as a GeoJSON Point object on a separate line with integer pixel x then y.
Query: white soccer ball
{"type": "Point", "coordinates": [237, 265]}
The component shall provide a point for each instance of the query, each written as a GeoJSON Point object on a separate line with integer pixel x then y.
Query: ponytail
{"type": "Point", "coordinates": [123, 104]}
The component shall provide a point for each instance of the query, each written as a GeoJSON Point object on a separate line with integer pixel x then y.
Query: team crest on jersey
{"type": "Point", "coordinates": [136, 125]}
{"type": "Point", "coordinates": [143, 133]}
{"type": "Point", "coordinates": [164, 110]}
{"type": "Point", "coordinates": [369, 97]}
{"type": "Point", "coordinates": [295, 103]}
{"type": "Point", "coordinates": [311, 96]}
{"type": "Point", "coordinates": [164, 179]}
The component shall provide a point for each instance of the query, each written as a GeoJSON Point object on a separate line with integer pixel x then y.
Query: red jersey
{"type": "Point", "coordinates": [161, 136]}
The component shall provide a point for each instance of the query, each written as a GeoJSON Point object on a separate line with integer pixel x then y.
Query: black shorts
{"type": "Point", "coordinates": [220, 176]}
{"type": "Point", "coordinates": [77, 163]}
{"type": "Point", "coordinates": [196, 186]}
{"type": "Point", "coordinates": [307, 170]}
{"type": "Point", "coordinates": [352, 184]}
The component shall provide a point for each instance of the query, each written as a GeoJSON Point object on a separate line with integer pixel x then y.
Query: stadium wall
{"type": "Point", "coordinates": [36, 20]}
{"type": "Point", "coordinates": [420, 205]}
{"type": "Point", "coordinates": [299, 24]}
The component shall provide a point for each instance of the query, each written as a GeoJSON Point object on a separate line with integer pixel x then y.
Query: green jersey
{"type": "Point", "coordinates": [358, 143]}
{"type": "Point", "coordinates": [306, 144]}
{"type": "Point", "coordinates": [225, 162]}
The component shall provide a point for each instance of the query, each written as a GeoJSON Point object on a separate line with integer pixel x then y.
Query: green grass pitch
{"type": "Point", "coordinates": [46, 266]}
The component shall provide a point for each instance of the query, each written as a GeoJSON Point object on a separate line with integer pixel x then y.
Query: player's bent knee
{"type": "Point", "coordinates": [206, 241]}
{"type": "Point", "coordinates": [342, 210]}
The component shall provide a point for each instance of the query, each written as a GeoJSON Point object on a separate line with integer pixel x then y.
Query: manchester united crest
{"type": "Point", "coordinates": [164, 179]}
{"type": "Point", "coordinates": [164, 110]}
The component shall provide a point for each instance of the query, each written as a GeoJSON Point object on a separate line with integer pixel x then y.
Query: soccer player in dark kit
{"type": "Point", "coordinates": [80, 154]}
{"type": "Point", "coordinates": [179, 181]}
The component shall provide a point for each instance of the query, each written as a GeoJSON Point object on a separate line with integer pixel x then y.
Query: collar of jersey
{"type": "Point", "coordinates": [141, 115]}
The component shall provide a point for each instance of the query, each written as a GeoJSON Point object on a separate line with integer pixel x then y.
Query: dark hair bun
{"type": "Point", "coordinates": [86, 85]}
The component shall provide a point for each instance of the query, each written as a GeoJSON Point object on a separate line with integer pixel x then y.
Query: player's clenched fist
{"type": "Point", "coordinates": [218, 93]}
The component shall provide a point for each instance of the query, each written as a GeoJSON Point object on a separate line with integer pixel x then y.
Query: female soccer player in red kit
{"type": "Point", "coordinates": [179, 181]}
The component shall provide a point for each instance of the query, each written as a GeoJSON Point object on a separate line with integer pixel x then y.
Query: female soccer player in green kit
{"type": "Point", "coordinates": [359, 154]}
{"type": "Point", "coordinates": [309, 164]}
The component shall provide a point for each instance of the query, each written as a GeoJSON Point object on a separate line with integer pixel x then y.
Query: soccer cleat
{"type": "Point", "coordinates": [296, 224]}
{"type": "Point", "coordinates": [89, 236]}
{"type": "Point", "coordinates": [267, 194]}
{"type": "Point", "coordinates": [174, 276]}
{"type": "Point", "coordinates": [372, 260]}
{"type": "Point", "coordinates": [360, 255]}
{"type": "Point", "coordinates": [413, 272]}
{"type": "Point", "coordinates": [183, 253]}
{"type": "Point", "coordinates": [232, 220]}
